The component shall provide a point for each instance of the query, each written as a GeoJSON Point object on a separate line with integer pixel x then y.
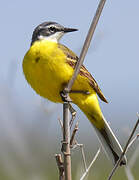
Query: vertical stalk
{"type": "Point", "coordinates": [66, 141]}
{"type": "Point", "coordinates": [66, 127]}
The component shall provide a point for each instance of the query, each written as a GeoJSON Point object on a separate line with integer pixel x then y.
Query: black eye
{"type": "Point", "coordinates": [52, 29]}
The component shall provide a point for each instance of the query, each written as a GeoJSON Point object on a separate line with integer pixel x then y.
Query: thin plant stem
{"type": "Point", "coordinates": [86, 44]}
{"type": "Point", "coordinates": [87, 170]}
{"type": "Point", "coordinates": [60, 166]}
{"type": "Point", "coordinates": [124, 151]}
{"type": "Point", "coordinates": [66, 142]}
{"type": "Point", "coordinates": [66, 128]}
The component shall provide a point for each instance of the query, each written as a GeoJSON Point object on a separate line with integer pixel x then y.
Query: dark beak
{"type": "Point", "coordinates": [66, 30]}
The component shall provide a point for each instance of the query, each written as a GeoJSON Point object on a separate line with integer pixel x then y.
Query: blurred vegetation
{"type": "Point", "coordinates": [30, 137]}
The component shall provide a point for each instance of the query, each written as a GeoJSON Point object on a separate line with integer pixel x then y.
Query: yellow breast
{"type": "Point", "coordinates": [45, 69]}
{"type": "Point", "coordinates": [47, 72]}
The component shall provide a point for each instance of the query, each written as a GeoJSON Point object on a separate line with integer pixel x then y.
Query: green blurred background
{"type": "Point", "coordinates": [30, 134]}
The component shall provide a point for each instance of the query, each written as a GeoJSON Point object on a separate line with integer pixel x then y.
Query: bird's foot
{"type": "Point", "coordinates": [65, 96]}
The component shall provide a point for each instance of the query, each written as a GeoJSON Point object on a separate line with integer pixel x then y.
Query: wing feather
{"type": "Point", "coordinates": [72, 60]}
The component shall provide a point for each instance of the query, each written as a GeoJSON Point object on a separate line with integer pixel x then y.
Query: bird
{"type": "Point", "coordinates": [48, 66]}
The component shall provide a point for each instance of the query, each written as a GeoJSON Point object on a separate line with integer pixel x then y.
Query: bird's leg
{"type": "Point", "coordinates": [80, 91]}
{"type": "Point", "coordinates": [65, 95]}
{"type": "Point", "coordinates": [73, 114]}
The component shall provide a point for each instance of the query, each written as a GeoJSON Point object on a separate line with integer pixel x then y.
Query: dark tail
{"type": "Point", "coordinates": [110, 143]}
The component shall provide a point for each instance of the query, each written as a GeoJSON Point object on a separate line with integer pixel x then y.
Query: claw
{"type": "Point", "coordinates": [65, 96]}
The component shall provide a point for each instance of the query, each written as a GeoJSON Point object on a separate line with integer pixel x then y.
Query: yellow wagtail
{"type": "Point", "coordinates": [48, 67]}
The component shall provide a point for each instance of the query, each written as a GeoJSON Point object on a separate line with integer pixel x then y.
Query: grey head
{"type": "Point", "coordinates": [50, 30]}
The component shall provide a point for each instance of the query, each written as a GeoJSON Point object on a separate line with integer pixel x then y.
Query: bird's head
{"type": "Point", "coordinates": [51, 31]}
